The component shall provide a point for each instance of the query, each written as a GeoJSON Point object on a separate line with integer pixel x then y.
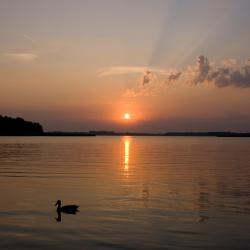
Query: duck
{"type": "Point", "coordinates": [68, 209]}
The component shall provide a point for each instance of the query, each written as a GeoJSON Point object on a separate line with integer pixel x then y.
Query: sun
{"type": "Point", "coordinates": [126, 116]}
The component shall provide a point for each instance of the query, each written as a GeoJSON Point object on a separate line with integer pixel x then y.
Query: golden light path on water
{"type": "Point", "coordinates": [126, 153]}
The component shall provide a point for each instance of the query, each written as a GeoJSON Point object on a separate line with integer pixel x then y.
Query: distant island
{"type": "Point", "coordinates": [19, 127]}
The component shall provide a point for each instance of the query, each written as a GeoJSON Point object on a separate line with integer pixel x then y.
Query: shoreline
{"type": "Point", "coordinates": [168, 134]}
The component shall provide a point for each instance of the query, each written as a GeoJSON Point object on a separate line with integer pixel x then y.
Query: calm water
{"type": "Point", "coordinates": [133, 192]}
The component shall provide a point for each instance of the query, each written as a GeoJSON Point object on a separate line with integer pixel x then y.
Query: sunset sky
{"type": "Point", "coordinates": [180, 65]}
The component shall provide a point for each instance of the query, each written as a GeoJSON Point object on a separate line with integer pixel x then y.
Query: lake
{"type": "Point", "coordinates": [133, 192]}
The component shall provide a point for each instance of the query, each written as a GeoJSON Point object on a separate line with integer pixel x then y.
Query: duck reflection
{"type": "Point", "coordinates": [145, 194]}
{"type": "Point", "coordinates": [59, 217]}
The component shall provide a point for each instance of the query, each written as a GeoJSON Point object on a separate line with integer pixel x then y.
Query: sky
{"type": "Point", "coordinates": [75, 65]}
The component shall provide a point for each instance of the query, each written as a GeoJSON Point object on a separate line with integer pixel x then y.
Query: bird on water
{"type": "Point", "coordinates": [68, 209]}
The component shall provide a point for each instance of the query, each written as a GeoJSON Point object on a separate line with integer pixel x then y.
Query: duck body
{"type": "Point", "coordinates": [68, 209]}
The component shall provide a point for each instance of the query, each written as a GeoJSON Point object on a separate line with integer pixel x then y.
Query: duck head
{"type": "Point", "coordinates": [58, 203]}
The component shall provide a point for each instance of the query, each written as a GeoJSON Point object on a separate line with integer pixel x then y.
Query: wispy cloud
{"type": "Point", "coordinates": [128, 70]}
{"type": "Point", "coordinates": [29, 38]}
{"type": "Point", "coordinates": [150, 79]}
{"type": "Point", "coordinates": [27, 55]}
{"type": "Point", "coordinates": [21, 57]}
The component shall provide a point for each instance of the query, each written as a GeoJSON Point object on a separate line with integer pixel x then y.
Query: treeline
{"type": "Point", "coordinates": [18, 126]}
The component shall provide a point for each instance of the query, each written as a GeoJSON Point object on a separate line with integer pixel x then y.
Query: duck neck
{"type": "Point", "coordinates": [58, 207]}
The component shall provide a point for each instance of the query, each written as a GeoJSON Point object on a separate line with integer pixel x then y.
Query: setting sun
{"type": "Point", "coordinates": [126, 116]}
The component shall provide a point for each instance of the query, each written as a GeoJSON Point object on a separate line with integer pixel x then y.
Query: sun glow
{"type": "Point", "coordinates": [126, 116]}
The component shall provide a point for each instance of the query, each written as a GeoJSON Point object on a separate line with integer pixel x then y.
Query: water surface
{"type": "Point", "coordinates": [133, 192]}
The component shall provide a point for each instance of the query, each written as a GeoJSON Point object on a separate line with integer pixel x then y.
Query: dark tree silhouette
{"type": "Point", "coordinates": [18, 126]}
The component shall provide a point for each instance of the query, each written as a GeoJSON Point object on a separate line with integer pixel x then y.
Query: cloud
{"type": "Point", "coordinates": [174, 76]}
{"type": "Point", "coordinates": [29, 38]}
{"type": "Point", "coordinates": [22, 57]}
{"type": "Point", "coordinates": [229, 62]}
{"type": "Point", "coordinates": [150, 80]}
{"type": "Point", "coordinates": [198, 73]}
{"type": "Point", "coordinates": [154, 80]}
{"type": "Point", "coordinates": [226, 75]}
{"type": "Point", "coordinates": [147, 77]}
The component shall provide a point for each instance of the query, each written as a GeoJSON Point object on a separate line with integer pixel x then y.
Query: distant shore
{"type": "Point", "coordinates": [180, 134]}
{"type": "Point", "coordinates": [207, 134]}
{"type": "Point", "coordinates": [19, 127]}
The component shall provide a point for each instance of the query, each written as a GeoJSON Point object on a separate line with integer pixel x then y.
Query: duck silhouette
{"type": "Point", "coordinates": [68, 209]}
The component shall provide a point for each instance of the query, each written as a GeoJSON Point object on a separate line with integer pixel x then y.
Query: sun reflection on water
{"type": "Point", "coordinates": [126, 153]}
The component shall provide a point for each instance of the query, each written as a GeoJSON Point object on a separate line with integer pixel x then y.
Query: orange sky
{"type": "Point", "coordinates": [80, 65]}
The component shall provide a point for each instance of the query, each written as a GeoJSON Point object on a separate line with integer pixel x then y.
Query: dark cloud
{"type": "Point", "coordinates": [220, 76]}
{"type": "Point", "coordinates": [224, 77]}
{"type": "Point", "coordinates": [174, 76]}
{"type": "Point", "coordinates": [147, 77]}
{"type": "Point", "coordinates": [201, 70]}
